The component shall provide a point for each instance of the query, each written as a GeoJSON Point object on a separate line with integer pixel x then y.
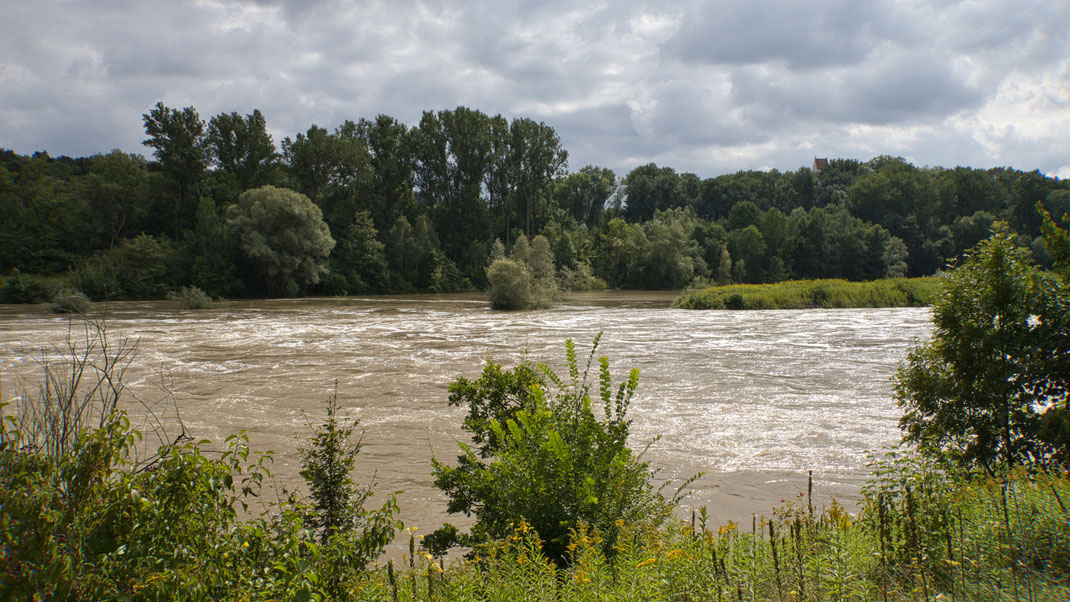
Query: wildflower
{"type": "Point", "coordinates": [646, 562]}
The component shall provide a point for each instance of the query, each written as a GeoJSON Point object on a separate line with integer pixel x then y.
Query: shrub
{"type": "Point", "coordinates": [26, 288]}
{"type": "Point", "coordinates": [190, 297]}
{"type": "Point", "coordinates": [545, 458]}
{"type": "Point", "coordinates": [70, 301]}
{"type": "Point", "coordinates": [510, 285]}
{"type": "Point", "coordinates": [349, 535]}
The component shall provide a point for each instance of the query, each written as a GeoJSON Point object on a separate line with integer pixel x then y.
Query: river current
{"type": "Point", "coordinates": [754, 399]}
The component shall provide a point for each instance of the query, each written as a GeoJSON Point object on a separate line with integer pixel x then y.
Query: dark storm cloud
{"type": "Point", "coordinates": [701, 86]}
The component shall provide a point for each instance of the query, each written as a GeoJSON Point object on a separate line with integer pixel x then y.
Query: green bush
{"type": "Point", "coordinates": [349, 535]}
{"type": "Point", "coordinates": [510, 285]}
{"type": "Point", "coordinates": [190, 297]}
{"type": "Point", "coordinates": [70, 301]}
{"type": "Point", "coordinates": [545, 458]}
{"type": "Point", "coordinates": [27, 288]}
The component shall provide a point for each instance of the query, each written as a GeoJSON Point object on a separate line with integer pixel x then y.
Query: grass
{"type": "Point", "coordinates": [922, 535]}
{"type": "Point", "coordinates": [804, 294]}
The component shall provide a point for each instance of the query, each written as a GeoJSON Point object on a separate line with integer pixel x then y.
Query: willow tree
{"type": "Point", "coordinates": [284, 237]}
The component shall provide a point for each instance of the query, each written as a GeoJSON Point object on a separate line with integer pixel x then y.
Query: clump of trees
{"type": "Point", "coordinates": [417, 207]}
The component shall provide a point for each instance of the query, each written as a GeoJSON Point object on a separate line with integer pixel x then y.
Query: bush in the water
{"type": "Point", "coordinates": [525, 280]}
{"type": "Point", "coordinates": [70, 301]}
{"type": "Point", "coordinates": [190, 297]}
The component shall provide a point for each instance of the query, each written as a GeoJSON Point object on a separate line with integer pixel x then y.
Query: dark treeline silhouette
{"type": "Point", "coordinates": [426, 207]}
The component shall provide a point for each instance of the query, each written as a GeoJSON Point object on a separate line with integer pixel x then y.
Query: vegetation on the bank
{"type": "Point", "coordinates": [975, 509]}
{"type": "Point", "coordinates": [549, 454]}
{"type": "Point", "coordinates": [989, 391]}
{"type": "Point", "coordinates": [423, 207]}
{"type": "Point", "coordinates": [803, 294]}
{"type": "Point", "coordinates": [923, 533]}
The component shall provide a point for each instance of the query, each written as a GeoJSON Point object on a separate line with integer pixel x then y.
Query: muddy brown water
{"type": "Point", "coordinates": [753, 399]}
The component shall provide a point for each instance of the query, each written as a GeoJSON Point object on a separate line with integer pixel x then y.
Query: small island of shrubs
{"type": "Point", "coordinates": [808, 294]}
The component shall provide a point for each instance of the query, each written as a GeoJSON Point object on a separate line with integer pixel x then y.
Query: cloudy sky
{"type": "Point", "coordinates": [709, 87]}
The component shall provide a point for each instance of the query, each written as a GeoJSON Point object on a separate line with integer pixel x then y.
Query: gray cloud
{"type": "Point", "coordinates": [707, 87]}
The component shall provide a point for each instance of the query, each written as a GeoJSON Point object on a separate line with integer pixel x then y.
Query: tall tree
{"type": "Point", "coordinates": [390, 193]}
{"type": "Point", "coordinates": [179, 146]}
{"type": "Point", "coordinates": [535, 159]}
{"type": "Point", "coordinates": [116, 191]}
{"type": "Point", "coordinates": [242, 147]}
{"type": "Point", "coordinates": [584, 194]}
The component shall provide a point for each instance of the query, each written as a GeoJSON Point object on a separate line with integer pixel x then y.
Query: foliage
{"type": "Point", "coordinates": [800, 294]}
{"type": "Point", "coordinates": [526, 280]}
{"type": "Point", "coordinates": [922, 533]}
{"type": "Point", "coordinates": [460, 179]}
{"type": "Point", "coordinates": [190, 297]}
{"type": "Point", "coordinates": [88, 511]}
{"type": "Point", "coordinates": [994, 377]}
{"type": "Point", "coordinates": [545, 458]}
{"type": "Point", "coordinates": [283, 235]}
{"type": "Point", "coordinates": [350, 536]}
{"type": "Point", "coordinates": [178, 142]}
{"type": "Point", "coordinates": [70, 301]}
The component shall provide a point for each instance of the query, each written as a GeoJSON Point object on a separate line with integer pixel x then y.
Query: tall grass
{"type": "Point", "coordinates": [922, 534]}
{"type": "Point", "coordinates": [802, 294]}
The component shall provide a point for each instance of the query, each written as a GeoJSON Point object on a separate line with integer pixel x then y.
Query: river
{"type": "Point", "coordinates": [754, 399]}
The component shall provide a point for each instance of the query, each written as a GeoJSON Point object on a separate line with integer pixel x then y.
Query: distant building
{"type": "Point", "coordinates": [820, 164]}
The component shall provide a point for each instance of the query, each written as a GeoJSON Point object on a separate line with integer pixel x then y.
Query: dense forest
{"type": "Point", "coordinates": [381, 206]}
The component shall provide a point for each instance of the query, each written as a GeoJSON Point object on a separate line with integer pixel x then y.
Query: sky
{"type": "Point", "coordinates": [707, 87]}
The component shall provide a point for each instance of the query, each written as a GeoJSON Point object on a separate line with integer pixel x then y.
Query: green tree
{"type": "Point", "coordinates": [284, 237]}
{"type": "Point", "coordinates": [116, 192]}
{"type": "Point", "coordinates": [390, 193]}
{"type": "Point", "coordinates": [585, 193]}
{"type": "Point", "coordinates": [621, 253]}
{"type": "Point", "coordinates": [242, 148]}
{"type": "Point", "coordinates": [996, 369]}
{"type": "Point", "coordinates": [359, 257]}
{"type": "Point", "coordinates": [675, 258]}
{"type": "Point", "coordinates": [543, 455]}
{"type": "Point", "coordinates": [179, 145]}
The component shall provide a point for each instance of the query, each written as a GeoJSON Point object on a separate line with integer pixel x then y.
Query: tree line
{"type": "Point", "coordinates": [426, 207]}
